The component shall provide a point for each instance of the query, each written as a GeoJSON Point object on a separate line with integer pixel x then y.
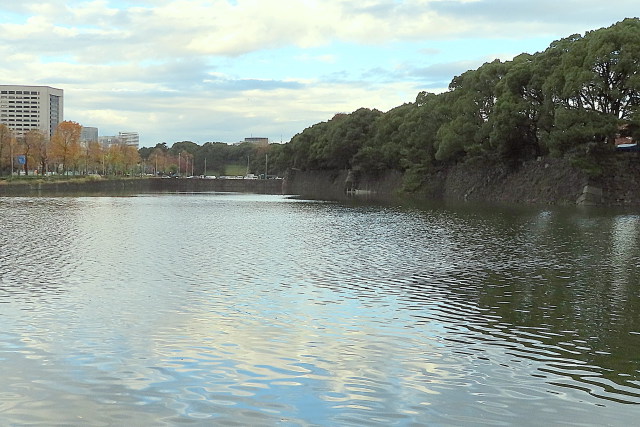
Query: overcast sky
{"type": "Point", "coordinates": [223, 70]}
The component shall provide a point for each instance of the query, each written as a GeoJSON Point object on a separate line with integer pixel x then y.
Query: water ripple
{"type": "Point", "coordinates": [260, 310]}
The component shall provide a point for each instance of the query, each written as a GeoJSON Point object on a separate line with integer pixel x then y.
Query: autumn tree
{"type": "Point", "coordinates": [131, 158]}
{"type": "Point", "coordinates": [115, 159]}
{"type": "Point", "coordinates": [94, 153]}
{"type": "Point", "coordinates": [65, 144]}
{"type": "Point", "coordinates": [31, 143]}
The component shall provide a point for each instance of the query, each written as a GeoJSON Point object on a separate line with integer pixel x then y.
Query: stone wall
{"type": "Point", "coordinates": [544, 181]}
{"type": "Point", "coordinates": [141, 185]}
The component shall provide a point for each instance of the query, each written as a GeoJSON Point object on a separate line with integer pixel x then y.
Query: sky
{"type": "Point", "coordinates": [224, 70]}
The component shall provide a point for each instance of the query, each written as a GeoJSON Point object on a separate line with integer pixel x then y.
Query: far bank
{"type": "Point", "coordinates": [124, 186]}
{"type": "Point", "coordinates": [546, 181]}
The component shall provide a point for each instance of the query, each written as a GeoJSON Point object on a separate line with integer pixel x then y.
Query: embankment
{"type": "Point", "coordinates": [138, 185]}
{"type": "Point", "coordinates": [544, 181]}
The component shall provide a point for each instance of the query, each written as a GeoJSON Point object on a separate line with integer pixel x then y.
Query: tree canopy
{"type": "Point", "coordinates": [582, 91]}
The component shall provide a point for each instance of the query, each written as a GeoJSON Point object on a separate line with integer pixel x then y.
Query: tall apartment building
{"type": "Point", "coordinates": [23, 108]}
{"type": "Point", "coordinates": [129, 138]}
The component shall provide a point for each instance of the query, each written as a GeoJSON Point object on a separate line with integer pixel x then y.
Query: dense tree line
{"type": "Point", "coordinates": [214, 158]}
{"type": "Point", "coordinates": [570, 100]}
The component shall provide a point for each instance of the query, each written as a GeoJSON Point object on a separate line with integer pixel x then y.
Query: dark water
{"type": "Point", "coordinates": [228, 309]}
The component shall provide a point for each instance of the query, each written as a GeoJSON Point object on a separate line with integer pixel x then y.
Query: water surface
{"type": "Point", "coordinates": [232, 309]}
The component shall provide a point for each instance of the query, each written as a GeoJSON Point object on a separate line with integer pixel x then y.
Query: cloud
{"type": "Point", "coordinates": [181, 28]}
{"type": "Point", "coordinates": [219, 114]}
{"type": "Point", "coordinates": [219, 69]}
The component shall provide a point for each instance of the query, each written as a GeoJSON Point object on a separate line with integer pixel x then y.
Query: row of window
{"type": "Point", "coordinates": [27, 104]}
{"type": "Point", "coordinates": [19, 92]}
{"type": "Point", "coordinates": [4, 112]}
{"type": "Point", "coordinates": [19, 115]}
{"type": "Point", "coordinates": [20, 110]}
{"type": "Point", "coordinates": [18, 97]}
{"type": "Point", "coordinates": [22, 126]}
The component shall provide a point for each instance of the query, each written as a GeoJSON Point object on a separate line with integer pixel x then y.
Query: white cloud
{"type": "Point", "coordinates": [215, 70]}
{"type": "Point", "coordinates": [190, 27]}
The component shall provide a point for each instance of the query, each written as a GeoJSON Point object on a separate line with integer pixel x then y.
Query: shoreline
{"type": "Point", "coordinates": [118, 186]}
{"type": "Point", "coordinates": [544, 181]}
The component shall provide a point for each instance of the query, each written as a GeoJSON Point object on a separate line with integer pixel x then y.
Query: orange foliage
{"type": "Point", "coordinates": [65, 144]}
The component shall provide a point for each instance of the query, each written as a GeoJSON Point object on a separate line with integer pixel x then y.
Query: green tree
{"type": "Point", "coordinates": [215, 154]}
{"type": "Point", "coordinates": [601, 70]}
{"type": "Point", "coordinates": [419, 130]}
{"type": "Point", "coordinates": [595, 84]}
{"type": "Point", "coordinates": [346, 137]}
{"type": "Point", "coordinates": [382, 150]}
{"type": "Point", "coordinates": [306, 147]}
{"type": "Point", "coordinates": [517, 118]}
{"type": "Point", "coordinates": [473, 98]}
{"type": "Point", "coordinates": [576, 127]}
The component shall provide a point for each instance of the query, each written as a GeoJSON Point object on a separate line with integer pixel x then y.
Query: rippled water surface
{"type": "Point", "coordinates": [228, 309]}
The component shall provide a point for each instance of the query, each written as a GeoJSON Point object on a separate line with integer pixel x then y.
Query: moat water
{"type": "Point", "coordinates": [236, 309]}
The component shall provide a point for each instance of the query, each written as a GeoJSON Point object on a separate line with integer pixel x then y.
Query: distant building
{"type": "Point", "coordinates": [88, 134]}
{"type": "Point", "coordinates": [125, 138]}
{"type": "Point", "coordinates": [24, 108]}
{"type": "Point", "coordinates": [130, 138]}
{"type": "Point", "coordinates": [257, 140]}
{"type": "Point", "coordinates": [108, 141]}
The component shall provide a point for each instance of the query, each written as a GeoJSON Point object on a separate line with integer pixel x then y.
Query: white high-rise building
{"type": "Point", "coordinates": [129, 138]}
{"type": "Point", "coordinates": [23, 108]}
